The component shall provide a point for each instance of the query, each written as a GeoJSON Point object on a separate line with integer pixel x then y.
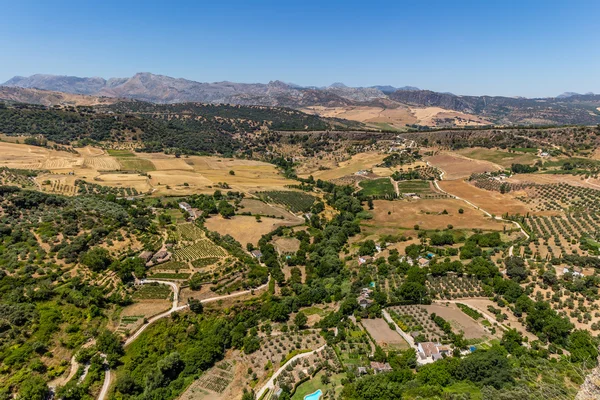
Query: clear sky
{"type": "Point", "coordinates": [497, 47]}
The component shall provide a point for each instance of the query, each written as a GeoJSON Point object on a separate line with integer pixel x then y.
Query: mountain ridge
{"type": "Point", "coordinates": [568, 108]}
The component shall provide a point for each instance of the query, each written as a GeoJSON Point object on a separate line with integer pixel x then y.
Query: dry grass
{"type": "Point", "coordinates": [286, 245]}
{"type": "Point", "coordinates": [245, 229]}
{"type": "Point", "coordinates": [382, 334]}
{"type": "Point", "coordinates": [427, 213]}
{"type": "Point", "coordinates": [458, 167]}
{"type": "Point", "coordinates": [361, 161]}
{"type": "Point", "coordinates": [458, 319]}
{"type": "Point", "coordinates": [493, 202]}
{"type": "Point", "coordinates": [259, 207]}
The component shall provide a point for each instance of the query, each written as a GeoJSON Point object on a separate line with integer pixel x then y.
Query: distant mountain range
{"type": "Point", "coordinates": [568, 108]}
{"type": "Point", "coordinates": [164, 89]}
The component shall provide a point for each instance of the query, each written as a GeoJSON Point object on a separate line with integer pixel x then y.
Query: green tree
{"type": "Point", "coordinates": [33, 388]}
{"type": "Point", "coordinates": [225, 209]}
{"type": "Point", "coordinates": [97, 259]}
{"type": "Point", "coordinates": [583, 346]}
{"type": "Point", "coordinates": [196, 306]}
{"type": "Point", "coordinates": [300, 320]}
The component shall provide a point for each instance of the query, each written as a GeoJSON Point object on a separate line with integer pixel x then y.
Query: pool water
{"type": "Point", "coordinates": [314, 396]}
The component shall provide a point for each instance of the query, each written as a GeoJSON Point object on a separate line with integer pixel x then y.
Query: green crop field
{"type": "Point", "coordinates": [136, 164]}
{"type": "Point", "coordinates": [201, 249]}
{"type": "Point", "coordinates": [167, 275]}
{"type": "Point", "coordinates": [171, 266]}
{"type": "Point", "coordinates": [150, 291]}
{"type": "Point", "coordinates": [419, 187]}
{"type": "Point", "coordinates": [295, 201]}
{"type": "Point", "coordinates": [203, 262]}
{"type": "Point", "coordinates": [189, 232]}
{"type": "Point", "coordinates": [377, 187]}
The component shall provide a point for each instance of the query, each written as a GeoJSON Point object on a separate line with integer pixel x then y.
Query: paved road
{"type": "Point", "coordinates": [270, 385]}
{"type": "Point", "coordinates": [106, 384]}
{"type": "Point", "coordinates": [174, 308]}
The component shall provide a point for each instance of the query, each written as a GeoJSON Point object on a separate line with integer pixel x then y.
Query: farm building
{"type": "Point", "coordinates": [429, 351]}
{"type": "Point", "coordinates": [256, 254]}
{"type": "Point", "coordinates": [577, 272]}
{"type": "Point", "coordinates": [364, 260]}
{"type": "Point", "coordinates": [423, 262]}
{"type": "Point", "coordinates": [379, 367]}
{"type": "Point", "coordinates": [146, 256]}
{"type": "Point", "coordinates": [364, 299]}
{"type": "Point", "coordinates": [185, 206]}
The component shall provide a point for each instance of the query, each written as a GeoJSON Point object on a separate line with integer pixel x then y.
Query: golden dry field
{"type": "Point", "coordinates": [493, 202]}
{"type": "Point", "coordinates": [458, 167]}
{"type": "Point", "coordinates": [428, 214]}
{"type": "Point", "coordinates": [398, 115]}
{"type": "Point", "coordinates": [154, 173]}
{"type": "Point", "coordinates": [246, 229]}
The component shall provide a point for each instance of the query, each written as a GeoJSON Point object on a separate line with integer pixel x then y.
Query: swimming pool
{"type": "Point", "coordinates": [314, 396]}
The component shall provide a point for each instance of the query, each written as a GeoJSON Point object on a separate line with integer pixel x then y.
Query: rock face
{"type": "Point", "coordinates": [590, 390]}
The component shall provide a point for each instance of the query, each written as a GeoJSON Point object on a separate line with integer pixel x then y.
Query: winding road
{"type": "Point", "coordinates": [270, 385]}
{"type": "Point", "coordinates": [437, 186]}
{"type": "Point", "coordinates": [174, 308]}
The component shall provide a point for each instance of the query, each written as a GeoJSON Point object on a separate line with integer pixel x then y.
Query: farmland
{"type": "Point", "coordinates": [294, 201]}
{"type": "Point", "coordinates": [429, 214]}
{"type": "Point", "coordinates": [501, 157]}
{"type": "Point", "coordinates": [422, 188]}
{"type": "Point", "coordinates": [459, 167]}
{"type": "Point", "coordinates": [246, 229]}
{"type": "Point", "coordinates": [383, 335]}
{"type": "Point", "coordinates": [377, 188]}
{"type": "Point", "coordinates": [203, 248]}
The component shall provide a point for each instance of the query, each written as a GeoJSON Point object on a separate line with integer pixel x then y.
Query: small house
{"type": "Point", "coordinates": [146, 256]}
{"type": "Point", "coordinates": [256, 254]}
{"type": "Point", "coordinates": [428, 349]}
{"type": "Point", "coordinates": [423, 262]}
{"type": "Point", "coordinates": [364, 302]}
{"type": "Point", "coordinates": [379, 367]}
{"type": "Point", "coordinates": [365, 260]}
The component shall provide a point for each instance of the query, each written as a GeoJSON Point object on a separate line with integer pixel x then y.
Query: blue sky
{"type": "Point", "coordinates": [513, 48]}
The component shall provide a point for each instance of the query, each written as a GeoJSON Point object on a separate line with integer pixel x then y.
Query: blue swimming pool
{"type": "Point", "coordinates": [314, 396]}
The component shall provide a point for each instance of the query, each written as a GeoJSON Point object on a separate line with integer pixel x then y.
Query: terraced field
{"type": "Point", "coordinates": [201, 249]}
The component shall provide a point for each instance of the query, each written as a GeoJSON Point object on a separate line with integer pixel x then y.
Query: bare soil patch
{"type": "Point", "coordinates": [493, 202]}
{"type": "Point", "coordinates": [245, 229]}
{"type": "Point", "coordinates": [512, 322]}
{"type": "Point", "coordinates": [428, 214]}
{"type": "Point", "coordinates": [286, 245]}
{"type": "Point", "coordinates": [382, 334]}
{"type": "Point", "coordinates": [458, 319]}
{"type": "Point", "coordinates": [459, 167]}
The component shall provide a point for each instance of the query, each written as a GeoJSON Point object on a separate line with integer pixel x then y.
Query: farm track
{"type": "Point", "coordinates": [174, 308]}
{"type": "Point", "coordinates": [437, 186]}
{"type": "Point", "coordinates": [409, 339]}
{"type": "Point", "coordinates": [270, 385]}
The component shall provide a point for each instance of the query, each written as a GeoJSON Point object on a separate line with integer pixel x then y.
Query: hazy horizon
{"type": "Point", "coordinates": [537, 49]}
